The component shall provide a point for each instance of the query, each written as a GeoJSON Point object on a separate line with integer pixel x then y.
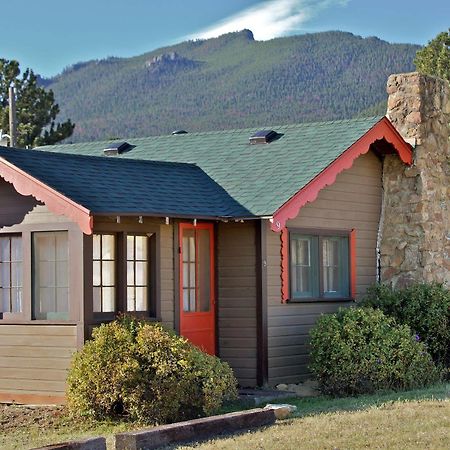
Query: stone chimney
{"type": "Point", "coordinates": [415, 232]}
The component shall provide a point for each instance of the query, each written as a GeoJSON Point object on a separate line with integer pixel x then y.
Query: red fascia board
{"type": "Point", "coordinates": [56, 202]}
{"type": "Point", "coordinates": [381, 130]}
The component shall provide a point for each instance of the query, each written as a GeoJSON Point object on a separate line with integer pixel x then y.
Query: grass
{"type": "Point", "coordinates": [412, 419]}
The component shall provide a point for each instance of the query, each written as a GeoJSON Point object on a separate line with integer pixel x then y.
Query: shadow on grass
{"type": "Point", "coordinates": [324, 404]}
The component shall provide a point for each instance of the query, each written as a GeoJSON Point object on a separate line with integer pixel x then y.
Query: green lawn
{"type": "Point", "coordinates": [416, 419]}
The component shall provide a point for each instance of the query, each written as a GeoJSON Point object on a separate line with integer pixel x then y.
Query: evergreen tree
{"type": "Point", "coordinates": [36, 108]}
{"type": "Point", "coordinates": [434, 58]}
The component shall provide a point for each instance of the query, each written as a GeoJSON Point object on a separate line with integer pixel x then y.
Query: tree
{"type": "Point", "coordinates": [434, 58]}
{"type": "Point", "coordinates": [36, 108]}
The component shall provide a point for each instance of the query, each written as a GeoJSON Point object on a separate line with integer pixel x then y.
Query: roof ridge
{"type": "Point", "coordinates": [112, 159]}
{"type": "Point", "coordinates": [133, 140]}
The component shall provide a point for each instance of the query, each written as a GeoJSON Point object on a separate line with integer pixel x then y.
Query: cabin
{"type": "Point", "coordinates": [237, 239]}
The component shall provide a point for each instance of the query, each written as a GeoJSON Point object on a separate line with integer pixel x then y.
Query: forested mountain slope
{"type": "Point", "coordinates": [229, 82]}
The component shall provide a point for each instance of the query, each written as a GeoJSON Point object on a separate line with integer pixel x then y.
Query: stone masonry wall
{"type": "Point", "coordinates": [415, 233]}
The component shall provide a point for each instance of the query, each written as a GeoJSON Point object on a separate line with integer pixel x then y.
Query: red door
{"type": "Point", "coordinates": [197, 315]}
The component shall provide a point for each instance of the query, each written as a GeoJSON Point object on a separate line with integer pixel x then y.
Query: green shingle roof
{"type": "Point", "coordinates": [108, 185]}
{"type": "Point", "coordinates": [261, 177]}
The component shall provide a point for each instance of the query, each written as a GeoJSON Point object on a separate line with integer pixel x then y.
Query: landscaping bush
{"type": "Point", "coordinates": [143, 372]}
{"type": "Point", "coordinates": [361, 350]}
{"type": "Point", "coordinates": [425, 307]}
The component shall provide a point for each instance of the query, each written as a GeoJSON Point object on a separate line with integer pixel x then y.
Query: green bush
{"type": "Point", "coordinates": [360, 350]}
{"type": "Point", "coordinates": [143, 372]}
{"type": "Point", "coordinates": [424, 307]}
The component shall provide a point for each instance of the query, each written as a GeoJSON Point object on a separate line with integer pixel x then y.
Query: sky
{"type": "Point", "coordinates": [49, 35]}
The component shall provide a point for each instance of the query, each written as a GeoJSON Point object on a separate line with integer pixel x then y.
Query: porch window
{"type": "Point", "coordinates": [50, 275]}
{"type": "Point", "coordinates": [104, 272]}
{"type": "Point", "coordinates": [319, 266]}
{"type": "Point", "coordinates": [10, 274]}
{"type": "Point", "coordinates": [137, 272]}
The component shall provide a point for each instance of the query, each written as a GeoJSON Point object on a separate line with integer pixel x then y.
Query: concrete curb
{"type": "Point", "coordinates": [97, 443]}
{"type": "Point", "coordinates": [194, 429]}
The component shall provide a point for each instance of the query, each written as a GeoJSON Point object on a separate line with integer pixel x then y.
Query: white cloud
{"type": "Point", "coordinates": [271, 19]}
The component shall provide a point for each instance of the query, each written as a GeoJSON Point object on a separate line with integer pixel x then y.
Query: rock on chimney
{"type": "Point", "coordinates": [415, 233]}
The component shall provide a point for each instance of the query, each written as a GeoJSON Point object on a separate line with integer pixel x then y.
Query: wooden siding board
{"type": "Point", "coordinates": [34, 359]}
{"type": "Point", "coordinates": [353, 201]}
{"type": "Point", "coordinates": [236, 272]}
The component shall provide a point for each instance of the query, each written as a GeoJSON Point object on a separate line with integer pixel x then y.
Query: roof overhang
{"type": "Point", "coordinates": [56, 202]}
{"type": "Point", "coordinates": [381, 131]}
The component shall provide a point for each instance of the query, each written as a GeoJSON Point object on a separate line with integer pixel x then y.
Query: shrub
{"type": "Point", "coordinates": [424, 307]}
{"type": "Point", "coordinates": [360, 350]}
{"type": "Point", "coordinates": [143, 372]}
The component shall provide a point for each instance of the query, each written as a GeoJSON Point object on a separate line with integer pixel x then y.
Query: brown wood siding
{"type": "Point", "coordinates": [34, 360]}
{"type": "Point", "coordinates": [236, 275]}
{"type": "Point", "coordinates": [353, 201]}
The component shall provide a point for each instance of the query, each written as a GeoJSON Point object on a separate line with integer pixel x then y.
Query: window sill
{"type": "Point", "coordinates": [13, 321]}
{"type": "Point", "coordinates": [321, 300]}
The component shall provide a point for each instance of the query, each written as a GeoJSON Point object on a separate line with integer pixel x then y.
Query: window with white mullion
{"type": "Point", "coordinates": [189, 271]}
{"type": "Point", "coordinates": [10, 274]}
{"type": "Point", "coordinates": [104, 272]}
{"type": "Point", "coordinates": [137, 273]}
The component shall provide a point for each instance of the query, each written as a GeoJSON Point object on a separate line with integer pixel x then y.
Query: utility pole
{"type": "Point", "coordinates": [12, 117]}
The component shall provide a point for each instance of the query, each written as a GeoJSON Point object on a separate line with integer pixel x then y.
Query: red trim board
{"type": "Point", "coordinates": [381, 130]}
{"type": "Point", "coordinates": [56, 202]}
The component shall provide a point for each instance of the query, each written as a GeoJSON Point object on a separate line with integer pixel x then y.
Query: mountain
{"type": "Point", "coordinates": [232, 81]}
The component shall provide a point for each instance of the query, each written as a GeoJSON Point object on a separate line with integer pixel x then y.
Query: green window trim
{"type": "Point", "coordinates": [319, 265]}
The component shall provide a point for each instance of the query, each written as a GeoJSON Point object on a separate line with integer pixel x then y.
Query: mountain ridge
{"type": "Point", "coordinates": [232, 81]}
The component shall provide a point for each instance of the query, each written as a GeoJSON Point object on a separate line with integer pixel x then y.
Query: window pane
{"type": "Point", "coordinates": [4, 249]}
{"type": "Point", "coordinates": [50, 268]}
{"type": "Point", "coordinates": [16, 248]}
{"type": "Point", "coordinates": [108, 273]}
{"type": "Point", "coordinates": [130, 248]}
{"type": "Point", "coordinates": [335, 267]}
{"type": "Point", "coordinates": [204, 270]}
{"type": "Point", "coordinates": [130, 273]}
{"type": "Point", "coordinates": [109, 302]}
{"type": "Point", "coordinates": [186, 300]}
{"type": "Point", "coordinates": [97, 299]}
{"type": "Point", "coordinates": [131, 298]}
{"type": "Point", "coordinates": [5, 299]}
{"type": "Point", "coordinates": [96, 246]}
{"type": "Point", "coordinates": [141, 248]}
{"type": "Point", "coordinates": [16, 300]}
{"type": "Point", "coordinates": [96, 273]}
{"type": "Point", "coordinates": [141, 299]}
{"type": "Point", "coordinates": [5, 275]}
{"type": "Point", "coordinates": [185, 275]}
{"type": "Point", "coordinates": [16, 274]}
{"type": "Point", "coordinates": [141, 274]}
{"type": "Point", "coordinates": [304, 282]}
{"type": "Point", "coordinates": [108, 246]}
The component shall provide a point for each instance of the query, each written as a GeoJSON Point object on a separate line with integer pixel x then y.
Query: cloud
{"type": "Point", "coordinates": [271, 19]}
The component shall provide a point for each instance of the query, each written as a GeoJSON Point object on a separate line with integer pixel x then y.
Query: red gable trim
{"type": "Point", "coordinates": [56, 202]}
{"type": "Point", "coordinates": [381, 130]}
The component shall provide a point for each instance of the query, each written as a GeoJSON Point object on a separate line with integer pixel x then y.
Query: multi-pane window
{"type": "Point", "coordinates": [137, 272]}
{"type": "Point", "coordinates": [104, 272]}
{"type": "Point", "coordinates": [319, 266]}
{"type": "Point", "coordinates": [10, 274]}
{"type": "Point", "coordinates": [51, 275]}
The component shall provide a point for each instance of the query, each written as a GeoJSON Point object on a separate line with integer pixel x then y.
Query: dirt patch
{"type": "Point", "coordinates": [18, 417]}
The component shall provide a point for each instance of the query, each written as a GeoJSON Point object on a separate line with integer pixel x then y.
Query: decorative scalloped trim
{"type": "Point", "coordinates": [381, 130]}
{"type": "Point", "coordinates": [57, 203]}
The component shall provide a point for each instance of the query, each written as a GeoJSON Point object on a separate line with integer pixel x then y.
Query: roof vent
{"type": "Point", "coordinates": [179, 132]}
{"type": "Point", "coordinates": [264, 137]}
{"type": "Point", "coordinates": [117, 148]}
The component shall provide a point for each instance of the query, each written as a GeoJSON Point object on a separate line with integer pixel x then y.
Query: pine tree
{"type": "Point", "coordinates": [36, 108]}
{"type": "Point", "coordinates": [434, 58]}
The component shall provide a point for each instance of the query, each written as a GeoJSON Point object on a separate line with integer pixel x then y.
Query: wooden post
{"type": "Point", "coordinates": [12, 117]}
